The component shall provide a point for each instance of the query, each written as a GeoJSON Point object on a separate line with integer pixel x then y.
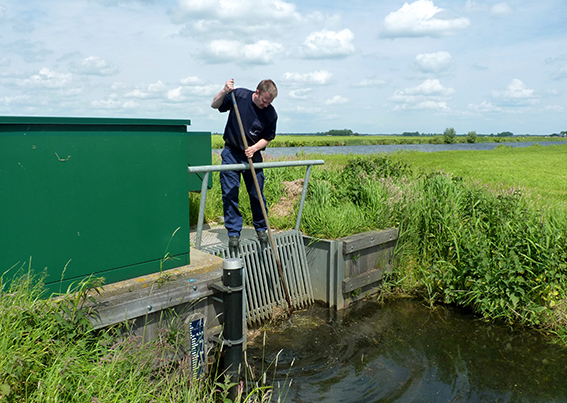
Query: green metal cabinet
{"type": "Point", "coordinates": [108, 197]}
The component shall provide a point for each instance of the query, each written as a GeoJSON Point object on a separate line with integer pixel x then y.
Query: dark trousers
{"type": "Point", "coordinates": [230, 185]}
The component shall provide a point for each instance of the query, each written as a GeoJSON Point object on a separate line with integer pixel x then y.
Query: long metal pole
{"type": "Point", "coordinates": [261, 200]}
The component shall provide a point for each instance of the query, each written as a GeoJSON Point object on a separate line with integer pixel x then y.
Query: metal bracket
{"type": "Point", "coordinates": [225, 342]}
{"type": "Point", "coordinates": [219, 286]}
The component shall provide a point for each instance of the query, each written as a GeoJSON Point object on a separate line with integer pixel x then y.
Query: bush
{"type": "Point", "coordinates": [449, 136]}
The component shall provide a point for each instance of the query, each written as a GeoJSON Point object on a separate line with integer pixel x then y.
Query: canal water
{"type": "Point", "coordinates": [403, 351]}
{"type": "Point", "coordinates": [390, 148]}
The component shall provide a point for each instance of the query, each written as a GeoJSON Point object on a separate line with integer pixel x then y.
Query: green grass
{"type": "Point", "coordinates": [540, 170]}
{"type": "Point", "coordinates": [50, 352]}
{"type": "Point", "coordinates": [290, 140]}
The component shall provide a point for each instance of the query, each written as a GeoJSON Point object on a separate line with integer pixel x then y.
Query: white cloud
{"type": "Point", "coordinates": [423, 105]}
{"type": "Point", "coordinates": [46, 78]}
{"type": "Point", "coordinates": [337, 100]}
{"type": "Point", "coordinates": [94, 65]}
{"type": "Point", "coordinates": [484, 107]}
{"type": "Point", "coordinates": [154, 90]}
{"type": "Point", "coordinates": [328, 44]}
{"type": "Point", "coordinates": [202, 90]}
{"type": "Point", "coordinates": [501, 9]}
{"type": "Point", "coordinates": [554, 108]}
{"type": "Point", "coordinates": [235, 9]}
{"type": "Point", "coordinates": [301, 93]}
{"type": "Point", "coordinates": [434, 62]}
{"type": "Point", "coordinates": [472, 5]}
{"type": "Point", "coordinates": [191, 80]}
{"type": "Point", "coordinates": [432, 87]}
{"type": "Point", "coordinates": [516, 93]}
{"type": "Point", "coordinates": [210, 16]}
{"type": "Point", "coordinates": [497, 10]}
{"type": "Point", "coordinates": [419, 19]}
{"type": "Point", "coordinates": [370, 83]}
{"type": "Point", "coordinates": [317, 77]}
{"type": "Point", "coordinates": [260, 52]}
{"type": "Point", "coordinates": [106, 104]}
{"type": "Point", "coordinates": [175, 95]}
{"type": "Point", "coordinates": [430, 94]}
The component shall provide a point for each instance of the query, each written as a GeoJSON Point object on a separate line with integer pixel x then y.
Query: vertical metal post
{"type": "Point", "coordinates": [303, 194]}
{"type": "Point", "coordinates": [202, 203]}
{"type": "Point", "coordinates": [232, 280]}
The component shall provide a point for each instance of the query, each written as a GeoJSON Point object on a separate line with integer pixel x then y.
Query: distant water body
{"type": "Point", "coordinates": [391, 148]}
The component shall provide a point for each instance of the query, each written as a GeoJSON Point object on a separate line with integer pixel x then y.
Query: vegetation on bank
{"type": "Point", "coordinates": [491, 247]}
{"type": "Point", "coordinates": [50, 352]}
{"type": "Point", "coordinates": [320, 140]}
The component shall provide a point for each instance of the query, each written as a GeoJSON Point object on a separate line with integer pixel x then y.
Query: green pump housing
{"type": "Point", "coordinates": [96, 196]}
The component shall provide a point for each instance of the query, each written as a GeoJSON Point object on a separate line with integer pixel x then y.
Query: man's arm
{"type": "Point", "coordinates": [217, 100]}
{"type": "Point", "coordinates": [250, 151]}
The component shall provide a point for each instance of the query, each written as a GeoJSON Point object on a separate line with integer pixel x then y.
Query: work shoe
{"type": "Point", "coordinates": [233, 245]}
{"type": "Point", "coordinates": [263, 238]}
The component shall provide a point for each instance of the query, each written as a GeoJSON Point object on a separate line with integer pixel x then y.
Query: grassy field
{"type": "Point", "coordinates": [290, 140]}
{"type": "Point", "coordinates": [539, 170]}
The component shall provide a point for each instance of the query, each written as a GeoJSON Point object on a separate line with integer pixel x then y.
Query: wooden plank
{"type": "Point", "coordinates": [357, 242]}
{"type": "Point", "coordinates": [353, 283]}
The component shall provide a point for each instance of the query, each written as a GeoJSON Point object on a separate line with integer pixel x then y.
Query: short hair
{"type": "Point", "coordinates": [268, 86]}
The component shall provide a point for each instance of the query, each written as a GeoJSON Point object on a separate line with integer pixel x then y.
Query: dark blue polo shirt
{"type": "Point", "coordinates": [257, 123]}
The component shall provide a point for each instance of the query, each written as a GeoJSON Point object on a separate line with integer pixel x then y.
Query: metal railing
{"type": "Point", "coordinates": [207, 169]}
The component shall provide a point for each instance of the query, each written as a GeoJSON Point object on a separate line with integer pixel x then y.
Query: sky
{"type": "Point", "coordinates": [374, 67]}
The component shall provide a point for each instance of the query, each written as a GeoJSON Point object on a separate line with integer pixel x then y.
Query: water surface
{"type": "Point", "coordinates": [390, 148]}
{"type": "Point", "coordinates": [402, 351]}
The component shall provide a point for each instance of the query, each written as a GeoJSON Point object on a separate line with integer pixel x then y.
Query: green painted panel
{"type": "Point", "coordinates": [97, 196]}
{"type": "Point", "coordinates": [200, 150]}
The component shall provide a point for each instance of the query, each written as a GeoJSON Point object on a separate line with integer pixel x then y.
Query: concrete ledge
{"type": "Point", "coordinates": [150, 294]}
{"type": "Point", "coordinates": [201, 263]}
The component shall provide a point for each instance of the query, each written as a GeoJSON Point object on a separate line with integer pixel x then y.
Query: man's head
{"type": "Point", "coordinates": [265, 93]}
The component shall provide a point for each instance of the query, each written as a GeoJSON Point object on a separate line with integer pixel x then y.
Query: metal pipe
{"type": "Point", "coordinates": [303, 194]}
{"type": "Point", "coordinates": [244, 166]}
{"type": "Point", "coordinates": [232, 280]}
{"type": "Point", "coordinates": [241, 167]}
{"type": "Point", "coordinates": [204, 187]}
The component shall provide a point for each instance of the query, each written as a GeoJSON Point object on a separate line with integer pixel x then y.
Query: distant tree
{"type": "Point", "coordinates": [505, 134]}
{"type": "Point", "coordinates": [471, 137]}
{"type": "Point", "coordinates": [563, 133]}
{"type": "Point", "coordinates": [410, 134]}
{"type": "Point", "coordinates": [449, 135]}
{"type": "Point", "coordinates": [343, 132]}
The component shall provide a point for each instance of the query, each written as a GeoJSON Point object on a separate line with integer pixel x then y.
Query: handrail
{"type": "Point", "coordinates": [207, 169]}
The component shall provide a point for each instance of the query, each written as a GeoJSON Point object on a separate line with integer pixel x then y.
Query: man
{"type": "Point", "coordinates": [259, 122]}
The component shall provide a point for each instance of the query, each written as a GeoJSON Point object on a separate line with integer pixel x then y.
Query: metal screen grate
{"type": "Point", "coordinates": [264, 289]}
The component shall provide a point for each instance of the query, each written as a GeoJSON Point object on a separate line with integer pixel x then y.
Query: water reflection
{"type": "Point", "coordinates": [404, 352]}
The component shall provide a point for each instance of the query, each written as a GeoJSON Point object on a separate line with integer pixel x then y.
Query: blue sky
{"type": "Point", "coordinates": [370, 66]}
